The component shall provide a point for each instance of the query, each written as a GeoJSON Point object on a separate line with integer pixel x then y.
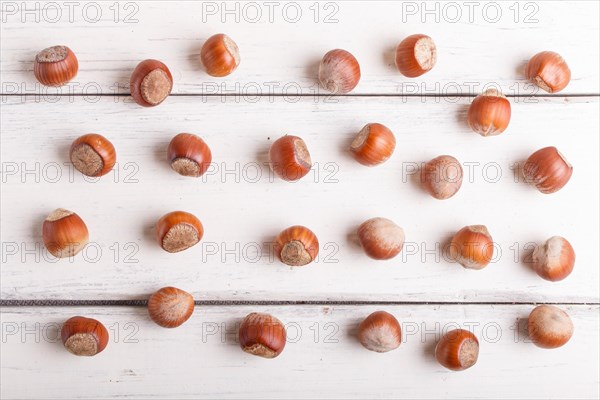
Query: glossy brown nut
{"type": "Point", "coordinates": [189, 155]}
{"type": "Point", "coordinates": [84, 336]}
{"type": "Point", "coordinates": [554, 260]}
{"type": "Point", "coordinates": [170, 307]}
{"type": "Point", "coordinates": [93, 155]}
{"type": "Point", "coordinates": [472, 247]}
{"type": "Point", "coordinates": [381, 238]}
{"type": "Point", "coordinates": [55, 66]}
{"type": "Point", "coordinates": [416, 55]}
{"type": "Point", "coordinates": [548, 170]}
{"type": "Point", "coordinates": [549, 327]}
{"type": "Point", "coordinates": [380, 332]}
{"type": "Point", "coordinates": [374, 144]}
{"type": "Point", "coordinates": [220, 55]}
{"type": "Point", "coordinates": [339, 72]}
{"type": "Point", "coordinates": [296, 246]}
{"type": "Point", "coordinates": [442, 177]}
{"type": "Point", "coordinates": [262, 335]}
{"type": "Point", "coordinates": [489, 113]}
{"type": "Point", "coordinates": [151, 83]}
{"type": "Point", "coordinates": [64, 233]}
{"type": "Point", "coordinates": [549, 71]}
{"type": "Point", "coordinates": [457, 350]}
{"type": "Point", "coordinates": [289, 158]}
{"type": "Point", "coordinates": [178, 231]}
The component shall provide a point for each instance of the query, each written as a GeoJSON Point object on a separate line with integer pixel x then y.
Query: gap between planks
{"type": "Point", "coordinates": [417, 95]}
{"type": "Point", "coordinates": [144, 303]}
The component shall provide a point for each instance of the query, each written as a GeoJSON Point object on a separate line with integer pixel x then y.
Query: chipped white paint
{"type": "Point", "coordinates": [242, 207]}
{"type": "Point", "coordinates": [483, 46]}
{"type": "Point", "coordinates": [322, 358]}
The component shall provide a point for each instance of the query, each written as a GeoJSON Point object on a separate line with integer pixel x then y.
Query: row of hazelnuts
{"type": "Point", "coordinates": [339, 71]}
{"type": "Point", "coordinates": [381, 238]}
{"type": "Point", "coordinates": [65, 234]}
{"type": "Point", "coordinates": [189, 155]}
{"type": "Point", "coordinates": [489, 113]}
{"type": "Point", "coordinates": [263, 335]}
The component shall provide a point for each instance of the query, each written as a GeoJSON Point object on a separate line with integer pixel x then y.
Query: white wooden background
{"type": "Point", "coordinates": [202, 359]}
{"type": "Point", "coordinates": [239, 118]}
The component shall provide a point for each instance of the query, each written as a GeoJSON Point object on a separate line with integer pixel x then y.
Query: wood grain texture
{"type": "Point", "coordinates": [322, 359]}
{"type": "Point", "coordinates": [243, 208]}
{"type": "Point", "coordinates": [275, 92]}
{"type": "Point", "coordinates": [487, 42]}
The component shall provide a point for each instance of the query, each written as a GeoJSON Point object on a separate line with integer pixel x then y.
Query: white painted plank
{"type": "Point", "coordinates": [242, 215]}
{"type": "Point", "coordinates": [322, 358]}
{"type": "Point", "coordinates": [478, 43]}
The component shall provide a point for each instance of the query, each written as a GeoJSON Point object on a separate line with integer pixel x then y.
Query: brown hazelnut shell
{"type": "Point", "coordinates": [472, 247]}
{"type": "Point", "coordinates": [189, 155]}
{"type": "Point", "coordinates": [296, 246]}
{"type": "Point", "coordinates": [554, 260]}
{"type": "Point", "coordinates": [55, 66]}
{"type": "Point", "coordinates": [489, 113]}
{"type": "Point", "coordinates": [548, 170]}
{"type": "Point", "coordinates": [380, 332]}
{"type": "Point", "coordinates": [416, 55]}
{"type": "Point", "coordinates": [64, 233]}
{"type": "Point", "coordinates": [457, 350]}
{"type": "Point", "coordinates": [381, 238]}
{"type": "Point", "coordinates": [289, 158]}
{"type": "Point", "coordinates": [549, 327]}
{"type": "Point", "coordinates": [178, 231]}
{"type": "Point", "coordinates": [151, 83]}
{"type": "Point", "coordinates": [373, 145]}
{"type": "Point", "coordinates": [262, 335]}
{"type": "Point", "coordinates": [220, 55]}
{"type": "Point", "coordinates": [93, 155]}
{"type": "Point", "coordinates": [170, 307]}
{"type": "Point", "coordinates": [442, 177]}
{"type": "Point", "coordinates": [339, 72]}
{"type": "Point", "coordinates": [84, 336]}
{"type": "Point", "coordinates": [549, 71]}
